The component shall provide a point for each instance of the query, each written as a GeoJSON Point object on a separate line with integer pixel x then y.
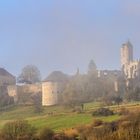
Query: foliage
{"type": "Point", "coordinates": [97, 122]}
{"type": "Point", "coordinates": [89, 87]}
{"type": "Point", "coordinates": [124, 111]}
{"type": "Point", "coordinates": [74, 92]}
{"type": "Point", "coordinates": [37, 104]}
{"type": "Point", "coordinates": [46, 134]}
{"type": "Point", "coordinates": [133, 94]}
{"type": "Point", "coordinates": [18, 129]}
{"type": "Point", "coordinates": [102, 112]}
{"type": "Point", "coordinates": [112, 99]}
{"type": "Point", "coordinates": [128, 128]}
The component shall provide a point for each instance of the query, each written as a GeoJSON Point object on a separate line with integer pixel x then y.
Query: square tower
{"type": "Point", "coordinates": [126, 53]}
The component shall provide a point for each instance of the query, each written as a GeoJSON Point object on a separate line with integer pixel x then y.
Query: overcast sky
{"type": "Point", "coordinates": [65, 34]}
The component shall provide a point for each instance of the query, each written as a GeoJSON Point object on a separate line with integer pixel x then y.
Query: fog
{"type": "Point", "coordinates": [65, 35]}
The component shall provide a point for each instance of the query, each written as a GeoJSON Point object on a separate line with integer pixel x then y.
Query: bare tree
{"type": "Point", "coordinates": [30, 74]}
{"type": "Point", "coordinates": [37, 102]}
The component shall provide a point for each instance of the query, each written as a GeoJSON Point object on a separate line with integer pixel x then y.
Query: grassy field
{"type": "Point", "coordinates": [58, 117]}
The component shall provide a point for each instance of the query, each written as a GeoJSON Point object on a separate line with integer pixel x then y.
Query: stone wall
{"type": "Point", "coordinates": [12, 92]}
{"type": "Point", "coordinates": [48, 90]}
{"type": "Point", "coordinates": [23, 93]}
{"type": "Point", "coordinates": [30, 88]}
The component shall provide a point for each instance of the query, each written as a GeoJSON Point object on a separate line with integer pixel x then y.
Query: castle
{"type": "Point", "coordinates": [50, 88]}
{"type": "Point", "coordinates": [130, 67]}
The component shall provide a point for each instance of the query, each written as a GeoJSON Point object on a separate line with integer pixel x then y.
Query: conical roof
{"type": "Point", "coordinates": [57, 76]}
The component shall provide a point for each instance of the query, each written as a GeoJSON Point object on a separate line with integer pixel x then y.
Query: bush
{"type": "Point", "coordinates": [97, 123]}
{"type": "Point", "coordinates": [103, 112]}
{"type": "Point", "coordinates": [18, 130]}
{"type": "Point", "coordinates": [46, 134]}
{"type": "Point", "coordinates": [71, 134]}
{"type": "Point", "coordinates": [123, 111]}
{"type": "Point", "coordinates": [61, 136]}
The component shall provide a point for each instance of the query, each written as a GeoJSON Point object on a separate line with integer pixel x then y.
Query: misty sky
{"type": "Point", "coordinates": [66, 34]}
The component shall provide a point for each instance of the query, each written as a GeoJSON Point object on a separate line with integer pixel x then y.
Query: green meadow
{"type": "Point", "coordinates": [58, 117]}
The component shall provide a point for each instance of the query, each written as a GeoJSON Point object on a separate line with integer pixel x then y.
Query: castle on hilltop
{"type": "Point", "coordinates": [51, 88]}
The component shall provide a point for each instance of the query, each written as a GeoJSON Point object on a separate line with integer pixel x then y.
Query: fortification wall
{"type": "Point", "coordinates": [12, 91]}
{"type": "Point", "coordinates": [30, 88]}
{"type": "Point", "coordinates": [22, 93]}
{"type": "Point", "coordinates": [50, 92]}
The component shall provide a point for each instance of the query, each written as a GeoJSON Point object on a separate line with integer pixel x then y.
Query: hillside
{"type": "Point", "coordinates": [58, 117]}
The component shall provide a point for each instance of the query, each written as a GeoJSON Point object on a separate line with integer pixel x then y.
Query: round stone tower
{"type": "Point", "coordinates": [49, 93]}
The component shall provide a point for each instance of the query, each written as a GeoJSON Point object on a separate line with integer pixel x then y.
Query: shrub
{"type": "Point", "coordinates": [97, 123]}
{"type": "Point", "coordinates": [61, 136]}
{"type": "Point", "coordinates": [71, 133]}
{"type": "Point", "coordinates": [123, 111]}
{"type": "Point", "coordinates": [103, 112]}
{"type": "Point", "coordinates": [17, 130]}
{"type": "Point", "coordinates": [46, 134]}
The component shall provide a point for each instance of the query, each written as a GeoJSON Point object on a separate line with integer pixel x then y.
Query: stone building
{"type": "Point", "coordinates": [49, 90]}
{"type": "Point", "coordinates": [126, 53]}
{"type": "Point", "coordinates": [6, 78]}
{"type": "Point", "coordinates": [52, 88]}
{"type": "Point", "coordinates": [113, 75]}
{"type": "Point", "coordinates": [130, 67]}
{"type": "Point", "coordinates": [109, 73]}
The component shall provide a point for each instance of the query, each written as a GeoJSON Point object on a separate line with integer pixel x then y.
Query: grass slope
{"type": "Point", "coordinates": [56, 117]}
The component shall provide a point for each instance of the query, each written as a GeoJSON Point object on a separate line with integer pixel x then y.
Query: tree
{"type": "Point", "coordinates": [36, 99]}
{"type": "Point", "coordinates": [112, 99]}
{"type": "Point", "coordinates": [30, 74]}
{"type": "Point", "coordinates": [74, 93]}
{"type": "Point", "coordinates": [118, 100]}
{"type": "Point", "coordinates": [133, 94]}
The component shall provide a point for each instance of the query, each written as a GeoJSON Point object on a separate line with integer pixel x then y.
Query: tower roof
{"type": "Point", "coordinates": [57, 76]}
